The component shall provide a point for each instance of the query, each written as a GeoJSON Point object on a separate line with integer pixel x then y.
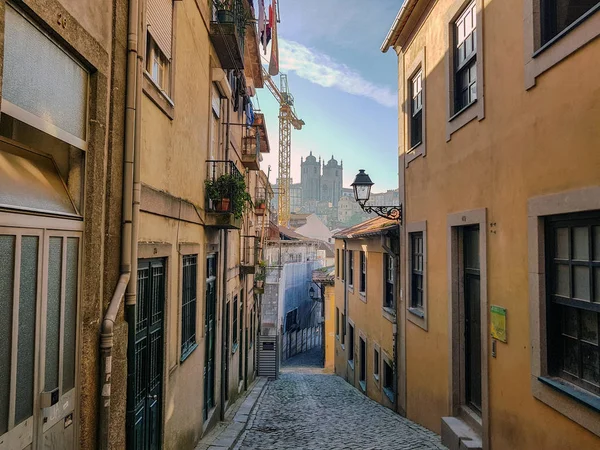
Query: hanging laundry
{"type": "Point", "coordinates": [262, 24]}
{"type": "Point", "coordinates": [249, 112]}
{"type": "Point", "coordinates": [274, 63]}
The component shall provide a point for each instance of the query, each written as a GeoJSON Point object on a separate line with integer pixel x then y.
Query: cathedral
{"type": "Point", "coordinates": [321, 182]}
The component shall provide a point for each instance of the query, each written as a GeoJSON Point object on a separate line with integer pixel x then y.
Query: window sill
{"type": "Point", "coordinates": [351, 289]}
{"type": "Point", "coordinates": [588, 399]}
{"type": "Point", "coordinates": [389, 394]}
{"type": "Point", "coordinates": [234, 348]}
{"type": "Point", "coordinates": [158, 96]}
{"type": "Point", "coordinates": [462, 110]}
{"type": "Point", "coordinates": [185, 355]}
{"type": "Point", "coordinates": [363, 385]}
{"type": "Point", "coordinates": [363, 296]}
{"type": "Point", "coordinates": [413, 153]}
{"type": "Point", "coordinates": [337, 337]}
{"type": "Point", "coordinates": [351, 363]}
{"type": "Point", "coordinates": [417, 312]}
{"type": "Point", "coordinates": [343, 346]}
{"type": "Point", "coordinates": [389, 314]}
{"type": "Point", "coordinates": [376, 378]}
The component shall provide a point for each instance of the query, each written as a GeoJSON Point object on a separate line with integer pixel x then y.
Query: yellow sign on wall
{"type": "Point", "coordinates": [498, 323]}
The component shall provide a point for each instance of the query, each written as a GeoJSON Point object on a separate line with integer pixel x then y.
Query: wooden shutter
{"type": "Point", "coordinates": [160, 24]}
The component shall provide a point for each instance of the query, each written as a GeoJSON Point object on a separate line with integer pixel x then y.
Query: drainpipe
{"type": "Point", "coordinates": [395, 333]}
{"type": "Point", "coordinates": [224, 238]}
{"type": "Point", "coordinates": [127, 226]}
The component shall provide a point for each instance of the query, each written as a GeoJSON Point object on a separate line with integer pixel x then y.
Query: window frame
{"type": "Point", "coordinates": [162, 98]}
{"type": "Point", "coordinates": [416, 314]}
{"type": "Point", "coordinates": [556, 336]}
{"type": "Point", "coordinates": [189, 343]}
{"type": "Point", "coordinates": [456, 119]}
{"type": "Point", "coordinates": [387, 385]}
{"type": "Point", "coordinates": [362, 284]}
{"type": "Point", "coordinates": [362, 361]}
{"type": "Point", "coordinates": [376, 363]}
{"type": "Point", "coordinates": [389, 269]}
{"type": "Point", "coordinates": [579, 406]}
{"type": "Point", "coordinates": [351, 332]}
{"type": "Point", "coordinates": [337, 262]}
{"type": "Point", "coordinates": [344, 327]}
{"type": "Point", "coordinates": [350, 269]}
{"type": "Point", "coordinates": [541, 58]}
{"type": "Point", "coordinates": [417, 65]}
{"type": "Point", "coordinates": [337, 323]}
{"type": "Point", "coordinates": [234, 324]}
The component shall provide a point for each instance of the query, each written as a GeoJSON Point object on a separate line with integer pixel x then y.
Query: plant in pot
{"type": "Point", "coordinates": [228, 194]}
{"type": "Point", "coordinates": [225, 12]}
{"type": "Point", "coordinates": [261, 206]}
{"type": "Point", "coordinates": [259, 278]}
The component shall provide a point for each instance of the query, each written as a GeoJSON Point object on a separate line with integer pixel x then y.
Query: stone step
{"type": "Point", "coordinates": [457, 435]}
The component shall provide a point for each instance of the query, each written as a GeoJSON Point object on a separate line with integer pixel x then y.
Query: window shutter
{"type": "Point", "coordinates": [160, 24]}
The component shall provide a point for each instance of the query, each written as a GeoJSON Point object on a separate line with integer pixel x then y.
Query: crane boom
{"type": "Point", "coordinates": [287, 120]}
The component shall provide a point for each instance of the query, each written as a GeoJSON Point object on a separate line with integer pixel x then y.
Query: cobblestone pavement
{"type": "Point", "coordinates": [305, 409]}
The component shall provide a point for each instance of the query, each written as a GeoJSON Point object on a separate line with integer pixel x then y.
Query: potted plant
{"type": "Point", "coordinates": [228, 194]}
{"type": "Point", "coordinates": [225, 11]}
{"type": "Point", "coordinates": [261, 206]}
{"type": "Point", "coordinates": [259, 278]}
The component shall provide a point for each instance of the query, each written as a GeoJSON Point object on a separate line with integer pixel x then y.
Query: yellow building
{"type": "Point", "coordinates": [500, 183]}
{"type": "Point", "coordinates": [197, 237]}
{"type": "Point", "coordinates": [324, 278]}
{"type": "Point", "coordinates": [365, 313]}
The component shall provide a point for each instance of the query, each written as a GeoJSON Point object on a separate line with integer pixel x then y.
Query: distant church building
{"type": "Point", "coordinates": [321, 182]}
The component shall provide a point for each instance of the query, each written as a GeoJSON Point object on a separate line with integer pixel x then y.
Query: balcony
{"type": "Point", "coordinates": [251, 149]}
{"type": "Point", "coordinates": [228, 31]}
{"type": "Point", "coordinates": [226, 195]}
{"type": "Point", "coordinates": [250, 254]}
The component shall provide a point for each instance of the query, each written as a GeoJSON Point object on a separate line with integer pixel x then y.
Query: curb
{"type": "Point", "coordinates": [249, 422]}
{"type": "Point", "coordinates": [230, 435]}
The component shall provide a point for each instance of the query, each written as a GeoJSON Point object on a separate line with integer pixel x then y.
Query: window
{"type": "Point", "coordinates": [188, 305]}
{"type": "Point", "coordinates": [157, 65]}
{"type": "Point", "coordinates": [388, 262]}
{"type": "Point", "coordinates": [376, 363]}
{"type": "Point", "coordinates": [337, 262]}
{"type": "Point", "coordinates": [291, 320]}
{"type": "Point", "coordinates": [351, 344]}
{"type": "Point", "coordinates": [363, 272]}
{"type": "Point", "coordinates": [559, 15]}
{"type": "Point", "coordinates": [416, 244]}
{"type": "Point", "coordinates": [343, 265]}
{"type": "Point", "coordinates": [234, 339]}
{"type": "Point", "coordinates": [465, 61]}
{"type": "Point", "coordinates": [343, 329]}
{"type": "Point", "coordinates": [416, 109]}
{"type": "Point", "coordinates": [388, 379]}
{"type": "Point", "coordinates": [573, 289]}
{"type": "Point", "coordinates": [350, 268]}
{"type": "Point", "coordinates": [337, 322]}
{"type": "Point", "coordinates": [362, 358]}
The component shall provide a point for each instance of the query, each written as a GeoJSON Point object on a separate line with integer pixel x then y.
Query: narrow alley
{"type": "Point", "coordinates": [308, 409]}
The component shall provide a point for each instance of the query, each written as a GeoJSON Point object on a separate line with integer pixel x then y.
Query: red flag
{"type": "Point", "coordinates": [274, 63]}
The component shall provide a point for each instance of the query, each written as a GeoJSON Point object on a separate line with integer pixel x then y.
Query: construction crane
{"type": "Point", "coordinates": [287, 120]}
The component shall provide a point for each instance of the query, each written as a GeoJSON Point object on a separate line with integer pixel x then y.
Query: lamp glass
{"type": "Point", "coordinates": [311, 292]}
{"type": "Point", "coordinates": [362, 193]}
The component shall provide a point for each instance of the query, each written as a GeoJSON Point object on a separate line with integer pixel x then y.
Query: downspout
{"type": "Point", "coordinates": [127, 226]}
{"type": "Point", "coordinates": [395, 333]}
{"type": "Point", "coordinates": [224, 238]}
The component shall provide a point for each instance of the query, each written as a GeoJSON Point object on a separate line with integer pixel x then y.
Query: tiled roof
{"type": "Point", "coordinates": [324, 274]}
{"type": "Point", "coordinates": [371, 227]}
{"type": "Point", "coordinates": [287, 232]}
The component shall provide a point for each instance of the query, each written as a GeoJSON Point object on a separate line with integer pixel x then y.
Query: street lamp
{"type": "Point", "coordinates": [313, 294]}
{"type": "Point", "coordinates": [362, 192]}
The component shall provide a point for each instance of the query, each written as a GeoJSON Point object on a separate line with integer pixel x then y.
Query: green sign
{"type": "Point", "coordinates": [498, 323]}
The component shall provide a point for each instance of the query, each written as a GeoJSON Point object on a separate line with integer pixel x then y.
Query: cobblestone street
{"type": "Point", "coordinates": [306, 409]}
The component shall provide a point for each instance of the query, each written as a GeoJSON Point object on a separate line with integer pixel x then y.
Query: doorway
{"type": "Point", "coordinates": [227, 347]}
{"type": "Point", "coordinates": [149, 347]}
{"type": "Point", "coordinates": [39, 291]}
{"type": "Point", "coordinates": [472, 317]}
{"type": "Point", "coordinates": [210, 330]}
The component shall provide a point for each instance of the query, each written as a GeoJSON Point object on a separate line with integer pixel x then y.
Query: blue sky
{"type": "Point", "coordinates": [345, 89]}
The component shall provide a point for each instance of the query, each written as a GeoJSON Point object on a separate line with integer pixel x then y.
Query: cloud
{"type": "Point", "coordinates": [321, 69]}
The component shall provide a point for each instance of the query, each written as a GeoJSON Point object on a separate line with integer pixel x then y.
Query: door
{"type": "Point", "coordinates": [241, 337]}
{"type": "Point", "coordinates": [149, 344]}
{"type": "Point", "coordinates": [39, 290]}
{"type": "Point", "coordinates": [472, 311]}
{"type": "Point", "coordinates": [210, 333]}
{"type": "Point", "coordinates": [227, 347]}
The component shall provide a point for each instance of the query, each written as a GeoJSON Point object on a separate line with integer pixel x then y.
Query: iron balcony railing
{"type": "Point", "coordinates": [232, 12]}
{"type": "Point", "coordinates": [252, 143]}
{"type": "Point", "coordinates": [250, 250]}
{"type": "Point", "coordinates": [222, 186]}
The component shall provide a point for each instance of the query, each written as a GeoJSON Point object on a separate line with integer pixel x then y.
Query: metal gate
{"type": "Point", "coordinates": [149, 354]}
{"type": "Point", "coordinates": [267, 356]}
